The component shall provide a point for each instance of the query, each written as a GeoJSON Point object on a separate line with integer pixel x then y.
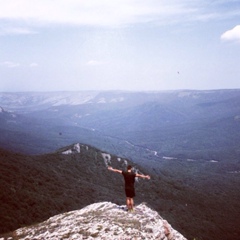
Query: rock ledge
{"type": "Point", "coordinates": [104, 220]}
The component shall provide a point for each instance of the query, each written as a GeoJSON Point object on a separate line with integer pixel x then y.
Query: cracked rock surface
{"type": "Point", "coordinates": [103, 220]}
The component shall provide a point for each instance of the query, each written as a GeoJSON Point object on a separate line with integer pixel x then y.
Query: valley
{"type": "Point", "coordinates": [188, 141]}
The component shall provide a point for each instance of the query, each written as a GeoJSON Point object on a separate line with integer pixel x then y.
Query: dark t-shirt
{"type": "Point", "coordinates": [129, 178]}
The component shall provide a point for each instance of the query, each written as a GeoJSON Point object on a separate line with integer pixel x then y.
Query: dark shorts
{"type": "Point", "coordinates": [130, 193]}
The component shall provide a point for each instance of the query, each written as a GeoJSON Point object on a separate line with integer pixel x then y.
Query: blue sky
{"type": "Point", "coordinates": [135, 45]}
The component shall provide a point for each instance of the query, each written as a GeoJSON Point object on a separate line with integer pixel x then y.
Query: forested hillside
{"type": "Point", "coordinates": [33, 188]}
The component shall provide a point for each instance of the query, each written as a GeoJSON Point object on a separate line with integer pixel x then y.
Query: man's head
{"type": "Point", "coordinates": [129, 167]}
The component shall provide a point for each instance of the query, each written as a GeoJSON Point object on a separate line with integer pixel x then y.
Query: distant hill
{"type": "Point", "coordinates": [34, 188]}
{"type": "Point", "coordinates": [182, 124]}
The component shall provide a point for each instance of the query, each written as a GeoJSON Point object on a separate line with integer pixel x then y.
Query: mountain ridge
{"type": "Point", "coordinates": [173, 123]}
{"type": "Point", "coordinates": [19, 100]}
{"type": "Point", "coordinates": [103, 220]}
{"type": "Point", "coordinates": [34, 188]}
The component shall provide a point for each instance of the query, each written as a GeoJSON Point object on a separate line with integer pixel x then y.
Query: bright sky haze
{"type": "Point", "coordinates": [135, 45]}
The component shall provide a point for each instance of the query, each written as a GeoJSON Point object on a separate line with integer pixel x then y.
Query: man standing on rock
{"type": "Point", "coordinates": [129, 177]}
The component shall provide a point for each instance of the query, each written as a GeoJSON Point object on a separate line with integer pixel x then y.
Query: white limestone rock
{"type": "Point", "coordinates": [104, 220]}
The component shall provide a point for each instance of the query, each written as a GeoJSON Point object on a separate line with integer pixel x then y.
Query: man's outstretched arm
{"type": "Point", "coordinates": [115, 170]}
{"type": "Point", "coordinates": [143, 176]}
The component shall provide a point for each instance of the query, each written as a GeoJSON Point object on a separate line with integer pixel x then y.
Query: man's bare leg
{"type": "Point", "coordinates": [131, 203]}
{"type": "Point", "coordinates": [128, 202]}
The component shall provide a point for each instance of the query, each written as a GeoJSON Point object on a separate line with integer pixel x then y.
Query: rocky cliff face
{"type": "Point", "coordinates": [104, 220]}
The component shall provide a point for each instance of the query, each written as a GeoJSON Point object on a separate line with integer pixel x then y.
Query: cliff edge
{"type": "Point", "coordinates": [103, 220]}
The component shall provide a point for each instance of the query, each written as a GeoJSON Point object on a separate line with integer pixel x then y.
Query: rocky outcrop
{"type": "Point", "coordinates": [104, 220]}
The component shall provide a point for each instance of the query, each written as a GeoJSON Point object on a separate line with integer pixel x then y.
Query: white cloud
{"type": "Point", "coordinates": [101, 12]}
{"type": "Point", "coordinates": [232, 34]}
{"type": "Point", "coordinates": [32, 65]}
{"type": "Point", "coordinates": [7, 30]}
{"type": "Point", "coordinates": [94, 63]}
{"type": "Point", "coordinates": [10, 64]}
{"type": "Point", "coordinates": [86, 12]}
